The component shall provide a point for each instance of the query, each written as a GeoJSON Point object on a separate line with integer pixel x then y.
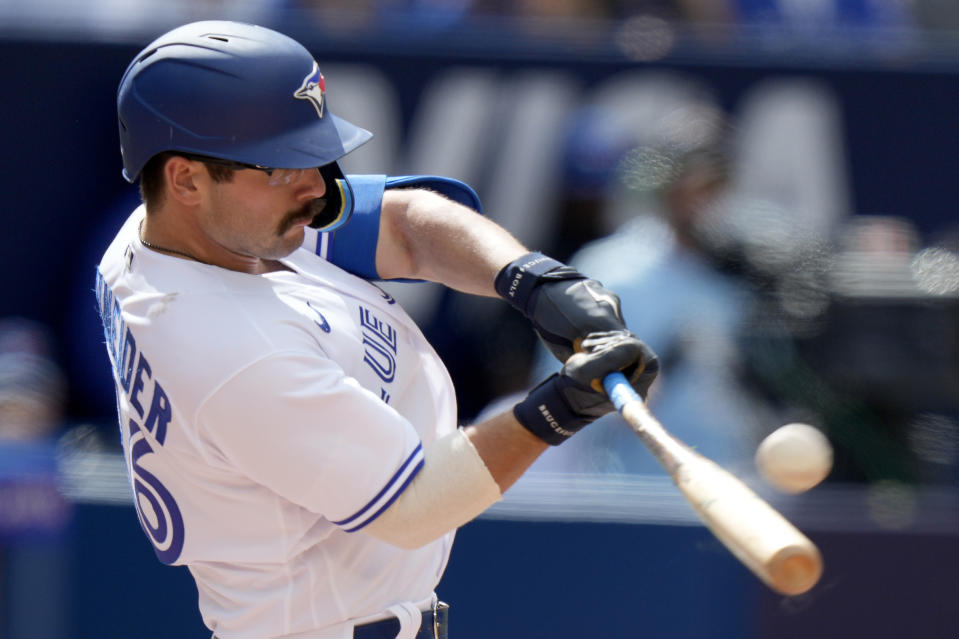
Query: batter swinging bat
{"type": "Point", "coordinates": [751, 529]}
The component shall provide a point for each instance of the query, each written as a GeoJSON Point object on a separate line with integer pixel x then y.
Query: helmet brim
{"type": "Point", "coordinates": [303, 148]}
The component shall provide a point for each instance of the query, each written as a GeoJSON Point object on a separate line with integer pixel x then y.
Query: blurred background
{"type": "Point", "coordinates": [769, 186]}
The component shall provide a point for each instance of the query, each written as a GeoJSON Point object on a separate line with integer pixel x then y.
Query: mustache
{"type": "Point", "coordinates": [305, 213]}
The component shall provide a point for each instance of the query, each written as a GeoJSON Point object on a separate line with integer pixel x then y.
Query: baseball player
{"type": "Point", "coordinates": [290, 435]}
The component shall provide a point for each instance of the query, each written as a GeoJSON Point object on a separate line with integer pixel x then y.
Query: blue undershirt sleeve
{"type": "Point", "coordinates": [352, 247]}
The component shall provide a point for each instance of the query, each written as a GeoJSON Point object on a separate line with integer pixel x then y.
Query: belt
{"type": "Point", "coordinates": [435, 625]}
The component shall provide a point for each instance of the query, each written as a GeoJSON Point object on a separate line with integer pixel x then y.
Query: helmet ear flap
{"type": "Point", "coordinates": [338, 201]}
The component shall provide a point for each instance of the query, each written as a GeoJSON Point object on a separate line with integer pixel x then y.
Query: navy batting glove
{"type": "Point", "coordinates": [562, 303]}
{"type": "Point", "coordinates": [569, 400]}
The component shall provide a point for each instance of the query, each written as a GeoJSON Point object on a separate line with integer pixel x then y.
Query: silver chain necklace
{"type": "Point", "coordinates": [163, 249]}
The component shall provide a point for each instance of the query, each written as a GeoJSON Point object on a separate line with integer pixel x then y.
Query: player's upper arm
{"type": "Point", "coordinates": [356, 246]}
{"type": "Point", "coordinates": [296, 424]}
{"type": "Point", "coordinates": [395, 257]}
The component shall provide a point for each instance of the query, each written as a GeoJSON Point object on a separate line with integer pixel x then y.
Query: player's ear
{"type": "Point", "coordinates": [181, 175]}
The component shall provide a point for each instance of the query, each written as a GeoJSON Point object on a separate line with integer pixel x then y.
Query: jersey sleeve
{"type": "Point", "coordinates": [298, 425]}
{"type": "Point", "coordinates": [352, 247]}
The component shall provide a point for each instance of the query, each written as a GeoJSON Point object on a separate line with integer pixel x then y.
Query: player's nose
{"type": "Point", "coordinates": [311, 185]}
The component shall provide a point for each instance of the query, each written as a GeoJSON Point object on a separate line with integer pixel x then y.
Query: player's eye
{"type": "Point", "coordinates": [284, 176]}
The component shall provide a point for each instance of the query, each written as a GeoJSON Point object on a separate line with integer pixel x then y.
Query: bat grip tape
{"type": "Point", "coordinates": [619, 390]}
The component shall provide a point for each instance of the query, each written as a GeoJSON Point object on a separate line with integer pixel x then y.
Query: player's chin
{"type": "Point", "coordinates": [293, 238]}
{"type": "Point", "coordinates": [285, 243]}
{"type": "Point", "coordinates": [295, 229]}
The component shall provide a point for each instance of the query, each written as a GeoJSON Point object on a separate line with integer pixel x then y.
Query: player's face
{"type": "Point", "coordinates": [252, 217]}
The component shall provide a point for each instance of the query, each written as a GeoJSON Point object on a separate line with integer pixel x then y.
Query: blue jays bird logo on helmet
{"type": "Point", "coordinates": [312, 89]}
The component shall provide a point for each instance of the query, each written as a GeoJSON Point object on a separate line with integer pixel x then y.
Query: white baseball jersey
{"type": "Point", "coordinates": [265, 420]}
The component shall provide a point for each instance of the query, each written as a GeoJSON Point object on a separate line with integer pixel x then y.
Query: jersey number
{"type": "Point", "coordinates": [159, 515]}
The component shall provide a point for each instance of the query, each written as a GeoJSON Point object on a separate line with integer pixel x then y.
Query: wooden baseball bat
{"type": "Point", "coordinates": [758, 535]}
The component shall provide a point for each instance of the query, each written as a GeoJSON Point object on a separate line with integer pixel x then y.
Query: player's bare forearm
{"type": "Point", "coordinates": [506, 447]}
{"type": "Point", "coordinates": [426, 236]}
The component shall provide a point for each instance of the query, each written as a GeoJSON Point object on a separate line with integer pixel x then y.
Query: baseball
{"type": "Point", "coordinates": [794, 458]}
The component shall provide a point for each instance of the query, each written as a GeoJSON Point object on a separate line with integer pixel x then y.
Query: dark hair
{"type": "Point", "coordinates": [152, 179]}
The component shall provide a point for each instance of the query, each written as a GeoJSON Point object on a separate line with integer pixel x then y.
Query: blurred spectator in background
{"type": "Point", "coordinates": [32, 387]}
{"type": "Point", "coordinates": [408, 16]}
{"type": "Point", "coordinates": [875, 366]}
{"type": "Point", "coordinates": [816, 16]}
{"type": "Point", "coordinates": [660, 163]}
{"type": "Point", "coordinates": [555, 9]}
{"type": "Point", "coordinates": [33, 512]}
{"type": "Point", "coordinates": [112, 18]}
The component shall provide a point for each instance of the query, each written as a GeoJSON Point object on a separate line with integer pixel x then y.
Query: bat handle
{"type": "Point", "coordinates": [667, 449]}
{"type": "Point", "coordinates": [619, 390]}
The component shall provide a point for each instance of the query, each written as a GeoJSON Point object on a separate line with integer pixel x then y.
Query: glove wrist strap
{"type": "Point", "coordinates": [547, 415]}
{"type": "Point", "coordinates": [515, 281]}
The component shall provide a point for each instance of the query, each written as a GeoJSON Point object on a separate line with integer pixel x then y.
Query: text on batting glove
{"type": "Point", "coordinates": [567, 401]}
{"type": "Point", "coordinates": [563, 305]}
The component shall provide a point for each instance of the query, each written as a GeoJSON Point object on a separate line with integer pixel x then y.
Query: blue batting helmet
{"type": "Point", "coordinates": [236, 92]}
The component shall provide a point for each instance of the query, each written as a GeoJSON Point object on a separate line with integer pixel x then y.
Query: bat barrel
{"type": "Point", "coordinates": [795, 569]}
{"type": "Point", "coordinates": [758, 535]}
